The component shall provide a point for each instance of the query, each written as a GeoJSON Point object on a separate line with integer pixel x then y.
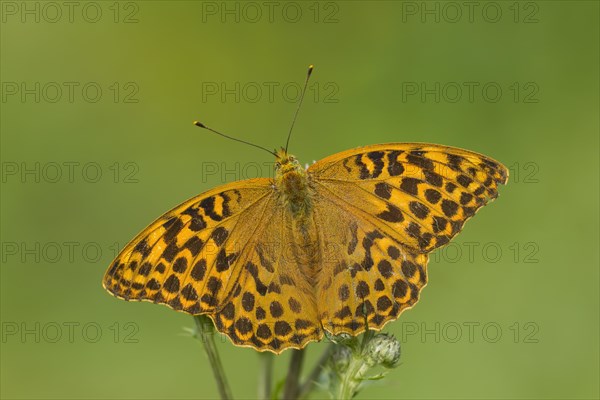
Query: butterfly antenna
{"type": "Point", "coordinates": [201, 125]}
{"type": "Point", "coordinates": [310, 69]}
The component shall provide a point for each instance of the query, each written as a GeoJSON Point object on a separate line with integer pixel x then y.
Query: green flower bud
{"type": "Point", "coordinates": [340, 358]}
{"type": "Point", "coordinates": [383, 350]}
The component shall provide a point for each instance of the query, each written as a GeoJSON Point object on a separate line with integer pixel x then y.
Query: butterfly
{"type": "Point", "coordinates": [339, 247]}
{"type": "Point", "coordinates": [336, 247]}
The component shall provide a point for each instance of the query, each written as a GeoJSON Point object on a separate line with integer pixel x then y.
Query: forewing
{"type": "Point", "coordinates": [381, 210]}
{"type": "Point", "coordinates": [191, 257]}
{"type": "Point", "coordinates": [420, 193]}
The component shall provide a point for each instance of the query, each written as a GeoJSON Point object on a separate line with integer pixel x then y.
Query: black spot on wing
{"type": "Point", "coordinates": [385, 268]}
{"type": "Point", "coordinates": [410, 186]}
{"type": "Point", "coordinates": [354, 239]}
{"type": "Point", "coordinates": [170, 252]}
{"type": "Point", "coordinates": [261, 288]}
{"type": "Point", "coordinates": [394, 167]}
{"type": "Point", "coordinates": [180, 265]}
{"type": "Point", "coordinates": [263, 331]}
{"type": "Point", "coordinates": [219, 235]}
{"type": "Point", "coordinates": [282, 328]}
{"type": "Point", "coordinates": [364, 170]}
{"type": "Point", "coordinates": [344, 292]}
{"type": "Point", "coordinates": [439, 224]}
{"type": "Point", "coordinates": [189, 293]}
{"type": "Point", "coordinates": [145, 269]}
{"type": "Point", "coordinates": [419, 209]}
{"type": "Point", "coordinates": [433, 179]}
{"type": "Point", "coordinates": [225, 205]}
{"type": "Point", "coordinates": [392, 214]}
{"type": "Point", "coordinates": [362, 289]}
{"type": "Point", "coordinates": [223, 261]}
{"type": "Point", "coordinates": [464, 180]}
{"type": "Point", "coordinates": [423, 239]}
{"type": "Point", "coordinates": [432, 196]}
{"type": "Point", "coordinates": [199, 270]}
{"type": "Point", "coordinates": [194, 244]}
{"type": "Point", "coordinates": [153, 284]}
{"type": "Point", "coordinates": [393, 252]}
{"type": "Point", "coordinates": [455, 161]}
{"type": "Point", "coordinates": [367, 243]}
{"type": "Point", "coordinates": [417, 158]}
{"type": "Point", "coordinates": [172, 284]}
{"type": "Point", "coordinates": [243, 325]}
{"type": "Point", "coordinates": [264, 262]}
{"type": "Point", "coordinates": [174, 228]}
{"type": "Point", "coordinates": [276, 309]}
{"type": "Point", "coordinates": [465, 198]}
{"type": "Point", "coordinates": [197, 222]}
{"type": "Point", "coordinates": [143, 248]}
{"type": "Point", "coordinates": [449, 207]}
{"type": "Point", "coordinates": [383, 190]}
{"type": "Point", "coordinates": [490, 163]}
{"type": "Point", "coordinates": [208, 205]}
{"type": "Point", "coordinates": [377, 158]}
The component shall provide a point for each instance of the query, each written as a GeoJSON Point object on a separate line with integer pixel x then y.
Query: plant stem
{"type": "Point", "coordinates": [290, 391]}
{"type": "Point", "coordinates": [265, 375]}
{"type": "Point", "coordinates": [350, 380]}
{"type": "Point", "coordinates": [310, 381]}
{"type": "Point", "coordinates": [206, 330]}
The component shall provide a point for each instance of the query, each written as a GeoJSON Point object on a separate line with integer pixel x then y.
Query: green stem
{"type": "Point", "coordinates": [312, 378]}
{"type": "Point", "coordinates": [206, 330]}
{"type": "Point", "coordinates": [265, 375]}
{"type": "Point", "coordinates": [290, 390]}
{"type": "Point", "coordinates": [367, 336]}
{"type": "Point", "coordinates": [350, 381]}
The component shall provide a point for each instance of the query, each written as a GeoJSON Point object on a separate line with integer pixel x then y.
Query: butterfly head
{"type": "Point", "coordinates": [286, 163]}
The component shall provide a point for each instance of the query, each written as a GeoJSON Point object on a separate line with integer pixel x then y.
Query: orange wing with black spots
{"type": "Point", "coordinates": [274, 306]}
{"type": "Point", "coordinates": [189, 258]}
{"type": "Point", "coordinates": [372, 279]}
{"type": "Point", "coordinates": [392, 204]}
{"type": "Point", "coordinates": [228, 253]}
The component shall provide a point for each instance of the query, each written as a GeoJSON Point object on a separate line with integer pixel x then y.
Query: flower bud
{"type": "Point", "coordinates": [340, 358]}
{"type": "Point", "coordinates": [383, 350]}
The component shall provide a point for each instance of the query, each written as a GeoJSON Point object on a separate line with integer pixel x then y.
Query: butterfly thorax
{"type": "Point", "coordinates": [293, 185]}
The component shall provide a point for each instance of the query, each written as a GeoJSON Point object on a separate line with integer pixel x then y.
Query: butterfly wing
{"type": "Point", "coordinates": [189, 258]}
{"type": "Point", "coordinates": [274, 306]}
{"type": "Point", "coordinates": [392, 204]}
{"type": "Point", "coordinates": [223, 253]}
{"type": "Point", "coordinates": [367, 277]}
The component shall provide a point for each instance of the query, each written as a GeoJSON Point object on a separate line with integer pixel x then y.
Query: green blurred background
{"type": "Point", "coordinates": [511, 310]}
